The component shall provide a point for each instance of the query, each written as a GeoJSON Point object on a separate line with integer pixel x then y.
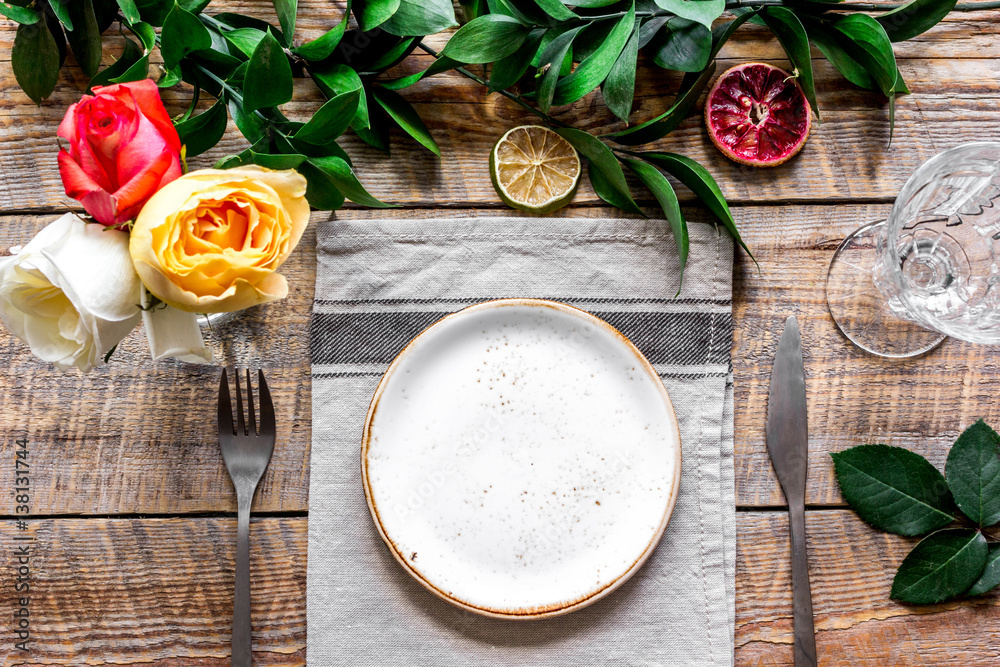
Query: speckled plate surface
{"type": "Point", "coordinates": [521, 458]}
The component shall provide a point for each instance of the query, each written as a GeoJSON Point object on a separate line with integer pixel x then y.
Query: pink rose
{"type": "Point", "coordinates": [122, 148]}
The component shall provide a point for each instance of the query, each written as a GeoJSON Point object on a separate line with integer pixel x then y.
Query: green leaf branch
{"type": "Point", "coordinates": [539, 54]}
{"type": "Point", "coordinates": [900, 492]}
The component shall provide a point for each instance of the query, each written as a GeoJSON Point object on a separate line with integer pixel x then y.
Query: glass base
{"type": "Point", "coordinates": [217, 320]}
{"type": "Point", "coordinates": [859, 308]}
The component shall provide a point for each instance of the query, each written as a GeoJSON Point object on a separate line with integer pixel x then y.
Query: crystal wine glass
{"type": "Point", "coordinates": [898, 288]}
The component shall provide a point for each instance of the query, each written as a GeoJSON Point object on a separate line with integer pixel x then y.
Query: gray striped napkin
{"type": "Point", "coordinates": [381, 282]}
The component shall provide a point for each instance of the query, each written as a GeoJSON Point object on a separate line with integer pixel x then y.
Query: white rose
{"type": "Point", "coordinates": [70, 294]}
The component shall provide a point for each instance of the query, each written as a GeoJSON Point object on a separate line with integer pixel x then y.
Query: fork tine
{"type": "Point", "coordinates": [266, 406]}
{"type": "Point", "coordinates": [241, 427]}
{"type": "Point", "coordinates": [253, 418]}
{"type": "Point", "coordinates": [225, 407]}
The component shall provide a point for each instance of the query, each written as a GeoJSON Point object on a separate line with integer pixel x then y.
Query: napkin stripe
{"type": "Point", "coordinates": [675, 338]}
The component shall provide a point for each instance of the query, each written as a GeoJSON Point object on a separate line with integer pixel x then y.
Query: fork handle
{"type": "Point", "coordinates": [241, 650]}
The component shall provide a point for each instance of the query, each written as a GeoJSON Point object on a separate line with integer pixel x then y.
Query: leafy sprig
{"type": "Point", "coordinates": [539, 53]}
{"type": "Point", "coordinates": [900, 492]}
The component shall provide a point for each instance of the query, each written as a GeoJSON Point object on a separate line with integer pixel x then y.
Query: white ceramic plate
{"type": "Point", "coordinates": [521, 458]}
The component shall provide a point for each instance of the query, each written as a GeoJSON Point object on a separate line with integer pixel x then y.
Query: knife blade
{"type": "Point", "coordinates": [787, 434]}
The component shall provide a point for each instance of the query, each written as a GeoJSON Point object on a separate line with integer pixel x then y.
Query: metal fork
{"type": "Point", "coordinates": [246, 453]}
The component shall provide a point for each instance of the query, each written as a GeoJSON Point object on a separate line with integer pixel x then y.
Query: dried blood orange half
{"type": "Point", "coordinates": [757, 114]}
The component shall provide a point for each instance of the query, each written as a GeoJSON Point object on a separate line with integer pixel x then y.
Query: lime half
{"type": "Point", "coordinates": [534, 169]}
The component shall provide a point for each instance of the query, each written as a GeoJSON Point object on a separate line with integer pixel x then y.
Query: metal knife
{"type": "Point", "coordinates": [788, 445]}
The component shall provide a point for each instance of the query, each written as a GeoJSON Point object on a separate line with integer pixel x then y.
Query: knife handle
{"type": "Point", "coordinates": [805, 634]}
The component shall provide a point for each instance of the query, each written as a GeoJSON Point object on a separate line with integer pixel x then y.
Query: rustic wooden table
{"type": "Point", "coordinates": [132, 512]}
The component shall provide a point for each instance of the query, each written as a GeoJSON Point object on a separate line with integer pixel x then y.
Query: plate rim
{"type": "Point", "coordinates": [557, 609]}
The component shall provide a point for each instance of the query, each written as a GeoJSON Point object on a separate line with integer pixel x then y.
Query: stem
{"type": "Point", "coordinates": [511, 96]}
{"type": "Point", "coordinates": [215, 23]}
{"type": "Point", "coordinates": [238, 96]}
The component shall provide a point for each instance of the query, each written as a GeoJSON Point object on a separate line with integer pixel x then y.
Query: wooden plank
{"type": "Point", "coordinates": [853, 397]}
{"type": "Point", "coordinates": [955, 100]}
{"type": "Point", "coordinates": [159, 591]}
{"type": "Point", "coordinates": [857, 625]}
{"type": "Point", "coordinates": [102, 447]}
{"type": "Point", "coordinates": [140, 437]}
{"type": "Point", "coordinates": [155, 591]}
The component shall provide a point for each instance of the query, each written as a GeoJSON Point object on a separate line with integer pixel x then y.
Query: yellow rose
{"type": "Point", "coordinates": [212, 240]}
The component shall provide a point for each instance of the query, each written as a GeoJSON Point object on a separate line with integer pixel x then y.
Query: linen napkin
{"type": "Point", "coordinates": [379, 283]}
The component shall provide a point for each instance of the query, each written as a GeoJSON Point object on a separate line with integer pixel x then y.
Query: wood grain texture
{"type": "Point", "coordinates": [159, 591]}
{"type": "Point", "coordinates": [137, 438]}
{"type": "Point", "coordinates": [950, 69]}
{"type": "Point", "coordinates": [155, 591]}
{"type": "Point", "coordinates": [103, 452]}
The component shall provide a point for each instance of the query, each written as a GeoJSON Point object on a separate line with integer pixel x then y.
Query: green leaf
{"type": "Point", "coordinates": [593, 4]}
{"type": "Point", "coordinates": [130, 56]}
{"type": "Point", "coordinates": [665, 196]}
{"type": "Point", "coordinates": [941, 566]}
{"type": "Point", "coordinates": [701, 11]}
{"type": "Point", "coordinates": [129, 11]}
{"type": "Point", "coordinates": [509, 70]}
{"type": "Point", "coordinates": [241, 21]}
{"type": "Point", "coordinates": [373, 13]}
{"type": "Point", "coordinates": [85, 37]}
{"type": "Point", "coordinates": [154, 12]}
{"type": "Point", "coordinates": [790, 32]}
{"type": "Point", "coordinates": [170, 78]}
{"type": "Point", "coordinates": [421, 17]}
{"type": "Point", "coordinates": [667, 122]}
{"type": "Point", "coordinates": [526, 12]}
{"type": "Point", "coordinates": [321, 193]}
{"type": "Point", "coordinates": [337, 79]}
{"type": "Point", "coordinates": [268, 81]}
{"type": "Point", "coordinates": [551, 62]}
{"type": "Point", "coordinates": [137, 72]}
{"type": "Point", "coordinates": [61, 8]}
{"type": "Point", "coordinates": [914, 18]}
{"type": "Point", "coordinates": [596, 67]}
{"type": "Point", "coordinates": [182, 33]}
{"type": "Point", "coordinates": [440, 64]}
{"type": "Point", "coordinates": [683, 45]}
{"type": "Point", "coordinates": [323, 47]}
{"type": "Point", "coordinates": [864, 39]}
{"type": "Point", "coordinates": [557, 10]}
{"type": "Point", "coordinates": [331, 120]}
{"type": "Point", "coordinates": [700, 182]}
{"type": "Point", "coordinates": [894, 489]}
{"type": "Point", "coordinates": [990, 577]}
{"type": "Point", "coordinates": [486, 39]}
{"type": "Point", "coordinates": [973, 473]}
{"type": "Point", "coordinates": [279, 161]}
{"type": "Point", "coordinates": [404, 115]}
{"type": "Point", "coordinates": [202, 132]}
{"type": "Point", "coordinates": [146, 34]}
{"type": "Point", "coordinates": [22, 15]}
{"type": "Point", "coordinates": [619, 88]}
{"type": "Point", "coordinates": [59, 35]}
{"type": "Point", "coordinates": [249, 124]}
{"type": "Point", "coordinates": [392, 56]}
{"type": "Point", "coordinates": [285, 9]}
{"type": "Point", "coordinates": [376, 132]}
{"type": "Point", "coordinates": [473, 8]}
{"type": "Point", "coordinates": [605, 171]}
{"type": "Point", "coordinates": [244, 40]}
{"type": "Point", "coordinates": [35, 60]}
{"type": "Point", "coordinates": [826, 41]}
{"type": "Point", "coordinates": [194, 6]}
{"type": "Point", "coordinates": [342, 177]}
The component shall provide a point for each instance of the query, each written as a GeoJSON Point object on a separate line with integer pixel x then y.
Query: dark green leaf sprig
{"type": "Point", "coordinates": [900, 492]}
